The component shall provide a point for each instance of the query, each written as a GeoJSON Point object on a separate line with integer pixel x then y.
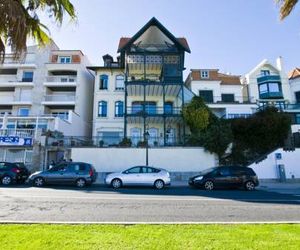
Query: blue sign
{"type": "Point", "coordinates": [15, 141]}
{"type": "Point", "coordinates": [278, 156]}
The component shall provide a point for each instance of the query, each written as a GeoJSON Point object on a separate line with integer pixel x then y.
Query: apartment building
{"type": "Point", "coordinates": [223, 93]}
{"type": "Point", "coordinates": [45, 89]}
{"type": "Point", "coordinates": [142, 92]}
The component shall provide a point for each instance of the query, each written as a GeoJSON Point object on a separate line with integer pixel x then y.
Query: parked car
{"type": "Point", "coordinates": [67, 173]}
{"type": "Point", "coordinates": [225, 177]}
{"type": "Point", "coordinates": [139, 176]}
{"type": "Point", "coordinates": [13, 173]}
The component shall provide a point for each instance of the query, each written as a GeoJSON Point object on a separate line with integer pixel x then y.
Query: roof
{"type": "Point", "coordinates": [181, 41]}
{"type": "Point", "coordinates": [95, 68]}
{"type": "Point", "coordinates": [295, 73]}
{"type": "Point", "coordinates": [214, 75]}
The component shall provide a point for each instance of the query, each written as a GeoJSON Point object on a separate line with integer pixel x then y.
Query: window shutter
{"type": "Point", "coordinates": [75, 59]}
{"type": "Point", "coordinates": [54, 58]}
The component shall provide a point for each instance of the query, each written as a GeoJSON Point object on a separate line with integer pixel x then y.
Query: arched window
{"type": "Point", "coordinates": [119, 82]}
{"type": "Point", "coordinates": [119, 109]}
{"type": "Point", "coordinates": [102, 109]}
{"type": "Point", "coordinates": [103, 82]}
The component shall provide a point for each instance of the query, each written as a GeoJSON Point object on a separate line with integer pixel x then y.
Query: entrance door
{"type": "Point", "coordinates": [153, 136]}
{"type": "Point", "coordinates": [170, 136]}
{"type": "Point", "coordinates": [135, 134]}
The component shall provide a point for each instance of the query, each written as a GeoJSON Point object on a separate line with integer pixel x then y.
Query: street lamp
{"type": "Point", "coordinates": [146, 136]}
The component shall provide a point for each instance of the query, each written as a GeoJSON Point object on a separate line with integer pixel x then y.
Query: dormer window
{"type": "Point", "coordinates": [265, 72]}
{"type": "Point", "coordinates": [64, 59]}
{"type": "Point", "coordinates": [204, 74]}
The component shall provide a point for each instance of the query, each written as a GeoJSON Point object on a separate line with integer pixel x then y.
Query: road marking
{"type": "Point", "coordinates": [165, 198]}
{"type": "Point", "coordinates": [149, 223]}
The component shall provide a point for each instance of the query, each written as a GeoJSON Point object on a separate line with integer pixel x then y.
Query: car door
{"type": "Point", "coordinates": [222, 177]}
{"type": "Point", "coordinates": [146, 176]}
{"type": "Point", "coordinates": [132, 176]}
{"type": "Point", "coordinates": [56, 175]}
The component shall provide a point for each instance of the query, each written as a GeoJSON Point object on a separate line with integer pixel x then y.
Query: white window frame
{"type": "Point", "coordinates": [204, 74]}
{"type": "Point", "coordinates": [63, 59]}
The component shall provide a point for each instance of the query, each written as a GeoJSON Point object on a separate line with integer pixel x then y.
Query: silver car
{"type": "Point", "coordinates": [139, 176]}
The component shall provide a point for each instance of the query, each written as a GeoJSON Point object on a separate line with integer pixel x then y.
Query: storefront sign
{"type": "Point", "coordinates": [15, 141]}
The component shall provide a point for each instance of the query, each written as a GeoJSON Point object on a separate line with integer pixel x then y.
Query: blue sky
{"type": "Point", "coordinates": [232, 35]}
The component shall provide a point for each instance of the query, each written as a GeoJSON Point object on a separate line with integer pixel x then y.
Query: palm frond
{"type": "Point", "coordinates": [286, 6]}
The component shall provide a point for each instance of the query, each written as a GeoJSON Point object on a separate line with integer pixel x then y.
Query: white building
{"type": "Point", "coordinates": [143, 91]}
{"type": "Point", "coordinates": [223, 93]}
{"type": "Point", "coordinates": [46, 89]}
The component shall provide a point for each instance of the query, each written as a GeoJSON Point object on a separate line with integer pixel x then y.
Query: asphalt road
{"type": "Point", "coordinates": [131, 205]}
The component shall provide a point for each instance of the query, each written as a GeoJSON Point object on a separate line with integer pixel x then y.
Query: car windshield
{"type": "Point", "coordinates": [206, 171]}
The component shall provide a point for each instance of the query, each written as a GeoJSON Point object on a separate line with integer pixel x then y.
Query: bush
{"type": "Point", "coordinates": [126, 142]}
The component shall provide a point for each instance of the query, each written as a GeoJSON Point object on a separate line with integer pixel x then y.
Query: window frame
{"type": "Point", "coordinates": [204, 74]}
{"type": "Point", "coordinates": [64, 59]}
{"type": "Point", "coordinates": [118, 109]}
{"type": "Point", "coordinates": [116, 85]}
{"type": "Point", "coordinates": [103, 82]}
{"type": "Point", "coordinates": [101, 106]}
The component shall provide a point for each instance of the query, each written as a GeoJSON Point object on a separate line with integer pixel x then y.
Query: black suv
{"type": "Point", "coordinates": [13, 173]}
{"type": "Point", "coordinates": [225, 177]}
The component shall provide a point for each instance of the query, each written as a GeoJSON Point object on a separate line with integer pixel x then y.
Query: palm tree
{"type": "Point", "coordinates": [286, 6]}
{"type": "Point", "coordinates": [19, 20]}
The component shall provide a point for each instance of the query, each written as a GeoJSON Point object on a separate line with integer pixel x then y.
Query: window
{"type": "Point", "coordinates": [297, 118]}
{"type": "Point", "coordinates": [265, 72]}
{"type": "Point", "coordinates": [273, 87]}
{"type": "Point", "coordinates": [78, 167]}
{"type": "Point", "coordinates": [168, 108]}
{"type": "Point", "coordinates": [297, 96]}
{"type": "Point", "coordinates": [227, 97]}
{"type": "Point", "coordinates": [27, 76]}
{"type": "Point", "coordinates": [263, 88]}
{"type": "Point", "coordinates": [119, 82]}
{"type": "Point", "coordinates": [204, 74]}
{"type": "Point", "coordinates": [119, 109]}
{"type": "Point", "coordinates": [134, 170]}
{"type": "Point", "coordinates": [102, 109]}
{"type": "Point", "coordinates": [23, 111]}
{"type": "Point", "coordinates": [64, 115]}
{"type": "Point", "coordinates": [225, 172]}
{"type": "Point", "coordinates": [150, 107]}
{"type": "Point", "coordinates": [207, 95]}
{"type": "Point", "coordinates": [103, 82]}
{"type": "Point", "coordinates": [65, 59]}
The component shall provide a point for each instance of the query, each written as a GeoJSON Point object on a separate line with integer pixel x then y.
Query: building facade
{"type": "Point", "coordinates": [143, 91]}
{"type": "Point", "coordinates": [45, 89]}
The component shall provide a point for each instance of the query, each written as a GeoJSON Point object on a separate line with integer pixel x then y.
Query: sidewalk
{"type": "Point", "coordinates": [280, 187]}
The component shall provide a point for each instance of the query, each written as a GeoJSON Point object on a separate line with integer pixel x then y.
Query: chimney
{"type": "Point", "coordinates": [279, 63]}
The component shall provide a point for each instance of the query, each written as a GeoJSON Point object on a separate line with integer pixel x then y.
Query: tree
{"type": "Point", "coordinates": [19, 20]}
{"type": "Point", "coordinates": [218, 137]}
{"type": "Point", "coordinates": [197, 115]}
{"type": "Point", "coordinates": [259, 134]}
{"type": "Point", "coordinates": [286, 7]}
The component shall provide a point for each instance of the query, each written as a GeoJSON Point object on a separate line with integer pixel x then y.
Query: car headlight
{"type": "Point", "coordinates": [199, 178]}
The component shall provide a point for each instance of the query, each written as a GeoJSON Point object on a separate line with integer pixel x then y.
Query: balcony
{"type": "Point", "coordinates": [235, 100]}
{"type": "Point", "coordinates": [268, 78]}
{"type": "Point", "coordinates": [10, 99]}
{"type": "Point", "coordinates": [22, 133]}
{"type": "Point", "coordinates": [23, 61]}
{"type": "Point", "coordinates": [66, 99]}
{"type": "Point", "coordinates": [14, 81]}
{"type": "Point", "coordinates": [153, 111]}
{"type": "Point", "coordinates": [61, 81]}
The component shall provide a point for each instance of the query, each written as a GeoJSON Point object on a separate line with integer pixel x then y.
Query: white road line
{"type": "Point", "coordinates": [147, 222]}
{"type": "Point", "coordinates": [165, 198]}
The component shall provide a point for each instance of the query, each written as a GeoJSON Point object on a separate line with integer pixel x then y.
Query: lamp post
{"type": "Point", "coordinates": [146, 136]}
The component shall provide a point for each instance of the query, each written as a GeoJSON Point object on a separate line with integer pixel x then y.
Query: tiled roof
{"type": "Point", "coordinates": [214, 75]}
{"type": "Point", "coordinates": [295, 73]}
{"type": "Point", "coordinates": [124, 40]}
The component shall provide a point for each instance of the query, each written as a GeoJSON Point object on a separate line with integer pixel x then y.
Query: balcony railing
{"type": "Point", "coordinates": [116, 141]}
{"type": "Point", "coordinates": [23, 133]}
{"type": "Point", "coordinates": [153, 110]}
{"type": "Point", "coordinates": [60, 98]}
{"type": "Point", "coordinates": [10, 59]}
{"type": "Point", "coordinates": [63, 78]}
{"type": "Point", "coordinates": [236, 100]}
{"type": "Point", "coordinates": [267, 78]}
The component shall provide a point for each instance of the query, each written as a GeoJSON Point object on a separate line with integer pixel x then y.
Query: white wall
{"type": "Point", "coordinates": [172, 159]}
{"type": "Point", "coordinates": [267, 168]}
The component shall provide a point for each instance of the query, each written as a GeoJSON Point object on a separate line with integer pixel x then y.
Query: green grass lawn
{"type": "Point", "coordinates": [150, 237]}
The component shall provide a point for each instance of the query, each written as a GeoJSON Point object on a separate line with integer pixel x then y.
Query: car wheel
{"type": "Point", "coordinates": [38, 182]}
{"type": "Point", "coordinates": [6, 180]}
{"type": "Point", "coordinates": [116, 183]}
{"type": "Point", "coordinates": [249, 186]}
{"type": "Point", "coordinates": [209, 185]}
{"type": "Point", "coordinates": [80, 183]}
{"type": "Point", "coordinates": [159, 184]}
